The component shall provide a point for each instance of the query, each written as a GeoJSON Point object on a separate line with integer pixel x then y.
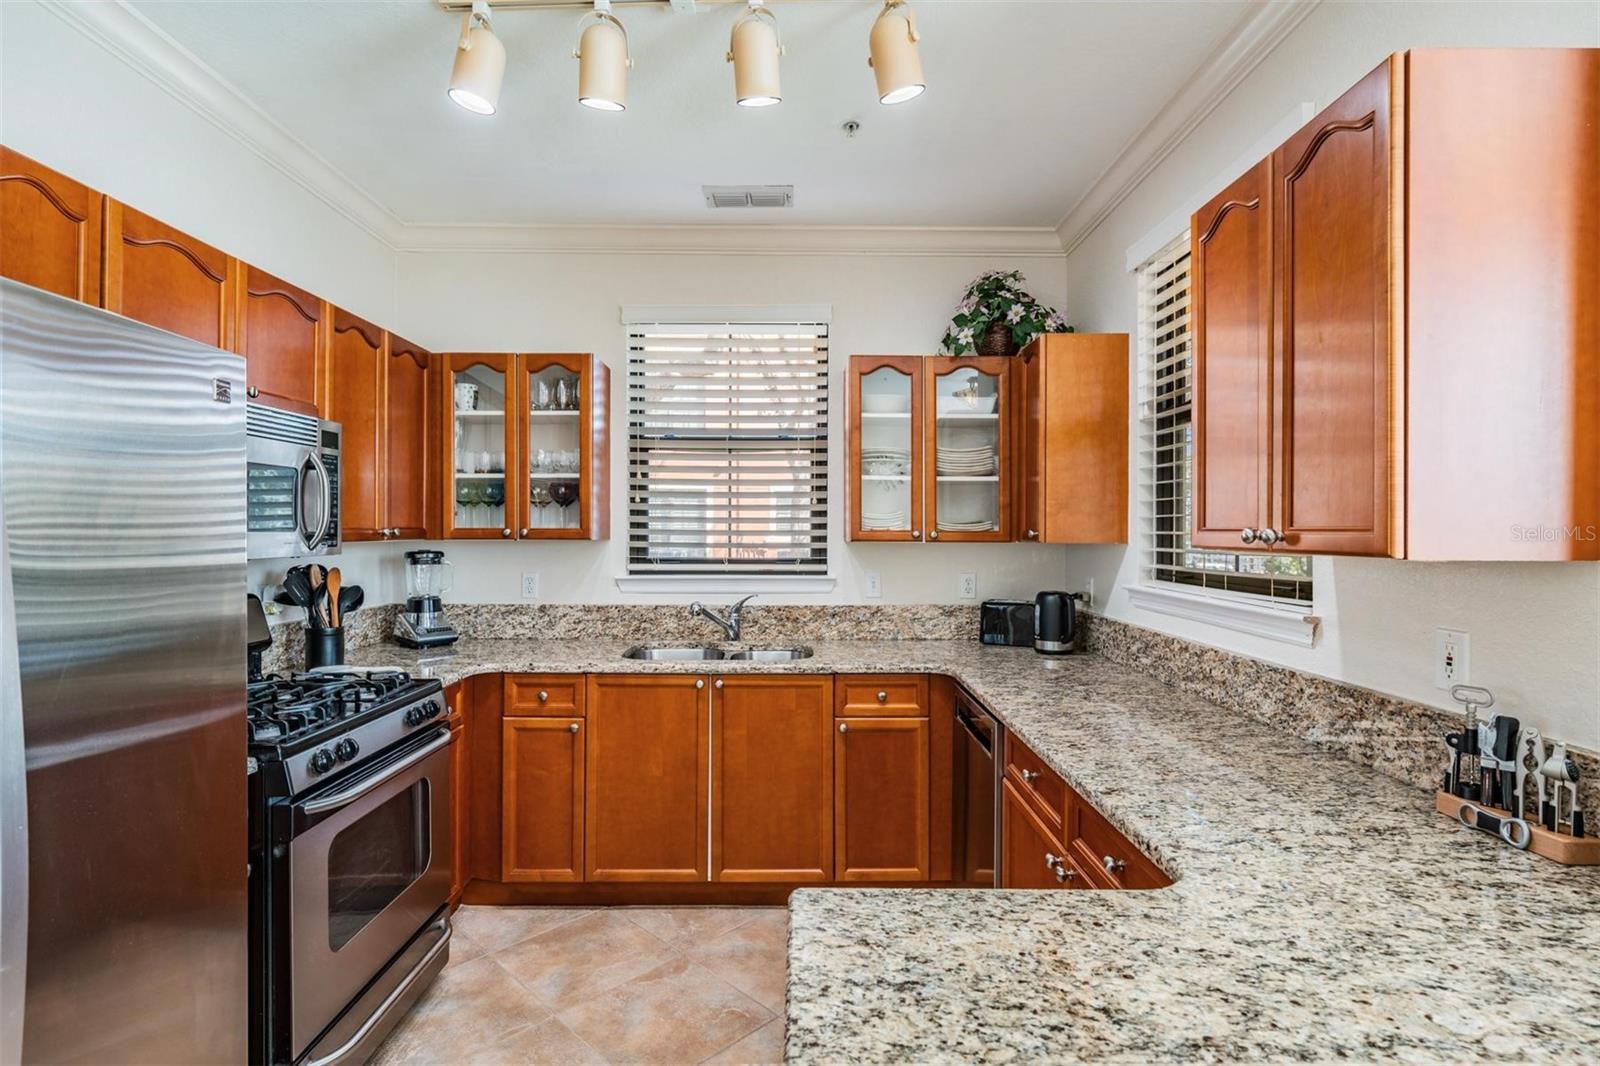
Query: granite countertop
{"type": "Point", "coordinates": [1321, 910]}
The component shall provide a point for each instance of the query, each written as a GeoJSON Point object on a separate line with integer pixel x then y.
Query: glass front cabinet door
{"type": "Point", "coordinates": [885, 437]}
{"type": "Point", "coordinates": [480, 441]}
{"type": "Point", "coordinates": [563, 478]}
{"type": "Point", "coordinates": [967, 448]}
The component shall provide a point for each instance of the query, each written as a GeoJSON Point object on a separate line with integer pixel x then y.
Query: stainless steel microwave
{"type": "Point", "coordinates": [292, 483]}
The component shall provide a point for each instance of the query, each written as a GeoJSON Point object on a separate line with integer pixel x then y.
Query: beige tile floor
{"type": "Point", "coordinates": [619, 984]}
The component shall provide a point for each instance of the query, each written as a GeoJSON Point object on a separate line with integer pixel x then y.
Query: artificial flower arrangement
{"type": "Point", "coordinates": [998, 316]}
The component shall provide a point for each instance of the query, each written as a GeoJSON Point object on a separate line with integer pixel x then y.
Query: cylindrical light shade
{"type": "Point", "coordinates": [603, 67]}
{"type": "Point", "coordinates": [480, 67]}
{"type": "Point", "coordinates": [755, 62]}
{"type": "Point", "coordinates": [895, 60]}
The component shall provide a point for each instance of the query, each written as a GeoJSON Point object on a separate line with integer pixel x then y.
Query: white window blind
{"type": "Point", "coordinates": [1167, 454]}
{"type": "Point", "coordinates": [728, 448]}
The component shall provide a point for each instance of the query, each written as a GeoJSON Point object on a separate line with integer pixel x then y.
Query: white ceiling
{"type": "Point", "coordinates": [1029, 101]}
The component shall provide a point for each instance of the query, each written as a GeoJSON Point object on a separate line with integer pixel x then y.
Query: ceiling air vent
{"type": "Point", "coordinates": [718, 196]}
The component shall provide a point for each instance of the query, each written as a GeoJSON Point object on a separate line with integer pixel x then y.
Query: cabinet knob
{"type": "Point", "coordinates": [1030, 775]}
{"type": "Point", "coordinates": [844, 727]}
{"type": "Point", "coordinates": [252, 392]}
{"type": "Point", "coordinates": [718, 682]}
{"type": "Point", "coordinates": [916, 534]}
{"type": "Point", "coordinates": [544, 697]}
{"type": "Point", "coordinates": [933, 534]}
{"type": "Point", "coordinates": [1247, 535]}
{"type": "Point", "coordinates": [699, 684]}
{"type": "Point", "coordinates": [883, 697]}
{"type": "Point", "coordinates": [573, 728]}
{"type": "Point", "coordinates": [1033, 534]}
{"type": "Point", "coordinates": [505, 532]}
{"type": "Point", "coordinates": [524, 532]}
{"type": "Point", "coordinates": [1269, 537]}
{"type": "Point", "coordinates": [1113, 865]}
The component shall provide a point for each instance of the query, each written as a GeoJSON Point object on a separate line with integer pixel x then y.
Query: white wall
{"type": "Point", "coordinates": [572, 302]}
{"type": "Point", "coordinates": [1535, 628]}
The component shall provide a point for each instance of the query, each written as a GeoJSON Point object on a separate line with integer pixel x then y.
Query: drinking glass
{"type": "Point", "coordinates": [564, 494]}
{"type": "Point", "coordinates": [539, 496]}
{"type": "Point", "coordinates": [564, 395]}
{"type": "Point", "coordinates": [541, 395]}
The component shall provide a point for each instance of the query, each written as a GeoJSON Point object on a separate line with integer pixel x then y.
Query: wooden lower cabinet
{"type": "Point", "coordinates": [460, 774]}
{"type": "Point", "coordinates": [772, 779]}
{"type": "Point", "coordinates": [881, 799]}
{"type": "Point", "coordinates": [1034, 856]}
{"type": "Point", "coordinates": [648, 768]}
{"type": "Point", "coordinates": [542, 781]}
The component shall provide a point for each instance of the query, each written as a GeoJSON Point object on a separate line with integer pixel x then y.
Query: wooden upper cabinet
{"type": "Point", "coordinates": [772, 778]}
{"type": "Point", "coordinates": [1072, 418]}
{"type": "Point", "coordinates": [541, 815]}
{"type": "Point", "coordinates": [563, 430]}
{"type": "Point", "coordinates": [647, 768]}
{"type": "Point", "coordinates": [478, 394]}
{"type": "Point", "coordinates": [1230, 299]}
{"type": "Point", "coordinates": [281, 334]}
{"type": "Point", "coordinates": [356, 353]}
{"type": "Point", "coordinates": [1337, 314]}
{"type": "Point", "coordinates": [164, 277]}
{"type": "Point", "coordinates": [410, 445]}
{"type": "Point", "coordinates": [881, 799]}
{"type": "Point", "coordinates": [885, 448]}
{"type": "Point", "coordinates": [49, 229]}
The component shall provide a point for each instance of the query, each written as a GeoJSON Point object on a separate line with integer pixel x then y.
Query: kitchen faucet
{"type": "Point", "coordinates": [730, 624]}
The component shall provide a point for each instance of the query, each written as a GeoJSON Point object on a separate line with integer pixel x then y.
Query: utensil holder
{"type": "Point", "coordinates": [324, 646]}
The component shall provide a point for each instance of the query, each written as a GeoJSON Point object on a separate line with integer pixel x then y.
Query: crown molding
{"type": "Point", "coordinates": [147, 49]}
{"type": "Point", "coordinates": [726, 239]}
{"type": "Point", "coordinates": [1252, 39]}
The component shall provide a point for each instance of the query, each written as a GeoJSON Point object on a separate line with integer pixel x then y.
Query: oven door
{"type": "Point", "coordinates": [369, 865]}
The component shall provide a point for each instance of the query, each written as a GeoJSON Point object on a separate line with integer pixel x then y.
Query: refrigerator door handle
{"type": "Point", "coordinates": [13, 823]}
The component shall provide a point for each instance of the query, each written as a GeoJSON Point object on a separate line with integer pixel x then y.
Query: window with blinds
{"type": "Point", "coordinates": [728, 449]}
{"type": "Point", "coordinates": [1167, 454]}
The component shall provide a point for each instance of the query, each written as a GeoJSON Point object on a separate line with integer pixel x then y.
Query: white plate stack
{"type": "Point", "coordinates": [977, 461]}
{"type": "Point", "coordinates": [885, 462]}
{"type": "Point", "coordinates": [985, 525]}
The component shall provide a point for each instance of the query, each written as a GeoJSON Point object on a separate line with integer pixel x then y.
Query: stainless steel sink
{"type": "Point", "coordinates": [673, 654]}
{"type": "Point", "coordinates": [770, 655]}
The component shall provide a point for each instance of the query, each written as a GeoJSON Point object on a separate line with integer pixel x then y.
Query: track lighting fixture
{"type": "Point", "coordinates": [894, 58]}
{"type": "Point", "coordinates": [480, 63]}
{"type": "Point", "coordinates": [753, 50]}
{"type": "Point", "coordinates": [603, 60]}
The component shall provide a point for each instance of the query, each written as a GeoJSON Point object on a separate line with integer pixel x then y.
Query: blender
{"type": "Point", "coordinates": [422, 624]}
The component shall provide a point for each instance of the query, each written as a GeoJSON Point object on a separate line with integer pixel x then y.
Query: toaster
{"type": "Point", "coordinates": [1006, 622]}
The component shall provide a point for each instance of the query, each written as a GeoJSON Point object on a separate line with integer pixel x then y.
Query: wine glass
{"type": "Point", "coordinates": [564, 395]}
{"type": "Point", "coordinates": [539, 496]}
{"type": "Point", "coordinates": [463, 501]}
{"type": "Point", "coordinates": [541, 395]}
{"type": "Point", "coordinates": [494, 494]}
{"type": "Point", "coordinates": [564, 494]}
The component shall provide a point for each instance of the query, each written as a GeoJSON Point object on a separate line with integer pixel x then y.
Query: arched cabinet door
{"type": "Point", "coordinates": [49, 229]}
{"type": "Point", "coordinates": [408, 462]}
{"type": "Point", "coordinates": [1230, 287]}
{"type": "Point", "coordinates": [166, 278]}
{"type": "Point", "coordinates": [966, 449]}
{"type": "Point", "coordinates": [356, 353]}
{"type": "Point", "coordinates": [281, 334]}
{"type": "Point", "coordinates": [1335, 310]}
{"type": "Point", "coordinates": [885, 448]}
{"type": "Point", "coordinates": [480, 445]}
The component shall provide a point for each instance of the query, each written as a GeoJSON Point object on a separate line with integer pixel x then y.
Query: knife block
{"type": "Point", "coordinates": [1557, 847]}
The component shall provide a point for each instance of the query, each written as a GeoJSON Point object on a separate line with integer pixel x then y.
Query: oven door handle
{"type": "Point", "coordinates": [346, 796]}
{"type": "Point", "coordinates": [314, 540]}
{"type": "Point", "coordinates": [389, 1001]}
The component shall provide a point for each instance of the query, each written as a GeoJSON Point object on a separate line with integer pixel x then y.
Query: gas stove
{"type": "Point", "coordinates": [314, 726]}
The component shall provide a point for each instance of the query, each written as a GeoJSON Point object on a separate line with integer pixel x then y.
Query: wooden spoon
{"type": "Point", "coordinates": [333, 598]}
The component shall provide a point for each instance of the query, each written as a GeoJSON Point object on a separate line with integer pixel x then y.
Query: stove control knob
{"type": "Point", "coordinates": [434, 710]}
{"type": "Point", "coordinates": [346, 749]}
{"type": "Point", "coordinates": [321, 761]}
{"type": "Point", "coordinates": [414, 716]}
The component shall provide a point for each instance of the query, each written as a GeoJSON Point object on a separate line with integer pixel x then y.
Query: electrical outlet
{"type": "Point", "coordinates": [1451, 658]}
{"type": "Point", "coordinates": [967, 588]}
{"type": "Point", "coordinates": [530, 586]}
{"type": "Point", "coordinates": [874, 585]}
{"type": "Point", "coordinates": [1088, 593]}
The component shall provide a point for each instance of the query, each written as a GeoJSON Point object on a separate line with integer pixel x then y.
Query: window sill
{"type": "Point", "coordinates": [742, 583]}
{"type": "Point", "coordinates": [1271, 623]}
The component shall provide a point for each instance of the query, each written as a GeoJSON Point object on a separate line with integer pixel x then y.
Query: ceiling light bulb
{"type": "Point", "coordinates": [480, 63]}
{"type": "Point", "coordinates": [894, 57]}
{"type": "Point", "coordinates": [754, 50]}
{"type": "Point", "coordinates": [603, 61]}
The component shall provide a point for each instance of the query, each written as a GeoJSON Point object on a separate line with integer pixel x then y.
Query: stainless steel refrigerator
{"type": "Point", "coordinates": [122, 725]}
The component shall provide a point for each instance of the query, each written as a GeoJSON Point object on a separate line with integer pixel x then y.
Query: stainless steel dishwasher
{"type": "Point", "coordinates": [976, 780]}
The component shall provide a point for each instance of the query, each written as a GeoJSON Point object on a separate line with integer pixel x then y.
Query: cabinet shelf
{"type": "Point", "coordinates": [480, 415]}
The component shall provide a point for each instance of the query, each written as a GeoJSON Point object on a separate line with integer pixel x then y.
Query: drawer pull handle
{"type": "Point", "coordinates": [1113, 865]}
{"type": "Point", "coordinates": [544, 697]}
{"type": "Point", "coordinates": [573, 728]}
{"type": "Point", "coordinates": [1059, 866]}
{"type": "Point", "coordinates": [883, 697]}
{"type": "Point", "coordinates": [844, 727]}
{"type": "Point", "coordinates": [1031, 775]}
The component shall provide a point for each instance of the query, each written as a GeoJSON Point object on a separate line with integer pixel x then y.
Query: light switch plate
{"type": "Point", "coordinates": [1452, 658]}
{"type": "Point", "coordinates": [874, 590]}
{"type": "Point", "coordinates": [530, 586]}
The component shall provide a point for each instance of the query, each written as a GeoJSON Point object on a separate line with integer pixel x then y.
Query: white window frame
{"type": "Point", "coordinates": [732, 582]}
{"type": "Point", "coordinates": [1256, 613]}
